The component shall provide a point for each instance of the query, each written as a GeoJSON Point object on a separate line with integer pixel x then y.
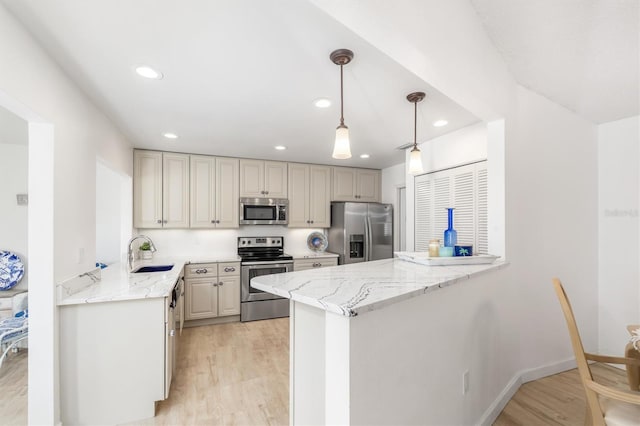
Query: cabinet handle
{"type": "Point", "coordinates": [311, 221]}
{"type": "Point", "coordinates": [262, 192]}
{"type": "Point", "coordinates": [215, 284]}
{"type": "Point", "coordinates": [220, 283]}
{"type": "Point", "coordinates": [213, 221]}
{"type": "Point", "coordinates": [229, 269]}
{"type": "Point", "coordinates": [165, 221]}
{"type": "Point", "coordinates": [159, 221]}
{"type": "Point", "coordinates": [217, 221]}
{"type": "Point", "coordinates": [201, 271]}
{"type": "Point", "coordinates": [316, 265]}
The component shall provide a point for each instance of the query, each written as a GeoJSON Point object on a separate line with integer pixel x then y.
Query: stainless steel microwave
{"type": "Point", "coordinates": [264, 211]}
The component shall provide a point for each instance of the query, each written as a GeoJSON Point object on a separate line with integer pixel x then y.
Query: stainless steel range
{"type": "Point", "coordinates": [262, 256]}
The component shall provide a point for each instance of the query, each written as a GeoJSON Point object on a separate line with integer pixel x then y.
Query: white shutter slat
{"type": "Point", "coordinates": [423, 220]}
{"type": "Point", "coordinates": [482, 228]}
{"type": "Point", "coordinates": [463, 217]}
{"type": "Point", "coordinates": [442, 200]}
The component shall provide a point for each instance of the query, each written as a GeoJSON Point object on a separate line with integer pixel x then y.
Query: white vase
{"type": "Point", "coordinates": [146, 254]}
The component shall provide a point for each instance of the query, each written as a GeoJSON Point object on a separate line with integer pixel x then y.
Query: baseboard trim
{"type": "Point", "coordinates": [518, 379]}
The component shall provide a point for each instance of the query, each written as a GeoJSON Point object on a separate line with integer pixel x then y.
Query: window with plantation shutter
{"type": "Point", "coordinates": [465, 189]}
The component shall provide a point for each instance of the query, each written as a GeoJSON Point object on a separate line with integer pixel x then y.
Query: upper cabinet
{"type": "Point", "coordinates": [214, 191]}
{"type": "Point", "coordinates": [351, 184]}
{"type": "Point", "coordinates": [309, 196]}
{"type": "Point", "coordinates": [263, 179]}
{"type": "Point", "coordinates": [160, 190]}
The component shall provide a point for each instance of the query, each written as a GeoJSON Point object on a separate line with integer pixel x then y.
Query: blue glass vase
{"type": "Point", "coordinates": [450, 235]}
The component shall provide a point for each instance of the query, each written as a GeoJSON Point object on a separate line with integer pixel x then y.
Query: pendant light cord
{"type": "Point", "coordinates": [341, 99]}
{"type": "Point", "coordinates": [415, 125]}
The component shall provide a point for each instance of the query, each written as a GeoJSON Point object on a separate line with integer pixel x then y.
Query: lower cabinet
{"type": "Point", "coordinates": [307, 263]}
{"type": "Point", "coordinates": [212, 290]}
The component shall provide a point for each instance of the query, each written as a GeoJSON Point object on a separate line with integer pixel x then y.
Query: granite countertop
{"type": "Point", "coordinates": [313, 255]}
{"type": "Point", "coordinates": [116, 283]}
{"type": "Point", "coordinates": [351, 290]}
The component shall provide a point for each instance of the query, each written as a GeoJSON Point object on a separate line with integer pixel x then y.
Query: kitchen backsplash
{"type": "Point", "coordinates": [222, 242]}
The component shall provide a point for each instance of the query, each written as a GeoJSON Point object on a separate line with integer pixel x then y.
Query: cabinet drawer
{"type": "Point", "coordinates": [228, 269]}
{"type": "Point", "coordinates": [301, 265]}
{"type": "Point", "coordinates": [201, 270]}
{"type": "Point", "coordinates": [6, 303]}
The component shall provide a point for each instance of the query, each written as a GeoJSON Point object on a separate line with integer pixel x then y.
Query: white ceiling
{"type": "Point", "coordinates": [240, 77]}
{"type": "Point", "coordinates": [581, 54]}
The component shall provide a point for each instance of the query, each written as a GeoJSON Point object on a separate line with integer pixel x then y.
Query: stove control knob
{"type": "Point", "coordinates": [273, 241]}
{"type": "Point", "coordinates": [248, 242]}
{"type": "Point", "coordinates": [243, 242]}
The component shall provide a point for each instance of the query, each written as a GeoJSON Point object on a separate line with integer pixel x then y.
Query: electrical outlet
{"type": "Point", "coordinates": [22, 199]}
{"type": "Point", "coordinates": [465, 382]}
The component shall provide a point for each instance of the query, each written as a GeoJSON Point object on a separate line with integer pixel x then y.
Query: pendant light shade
{"type": "Point", "coordinates": [341, 147]}
{"type": "Point", "coordinates": [415, 156]}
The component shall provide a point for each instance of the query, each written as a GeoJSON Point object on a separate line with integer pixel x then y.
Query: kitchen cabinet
{"type": "Point", "coordinates": [160, 189]}
{"type": "Point", "coordinates": [351, 184]}
{"type": "Point", "coordinates": [214, 190]}
{"type": "Point", "coordinates": [212, 290]}
{"type": "Point", "coordinates": [263, 179]}
{"type": "Point", "coordinates": [313, 263]}
{"type": "Point", "coordinates": [309, 196]}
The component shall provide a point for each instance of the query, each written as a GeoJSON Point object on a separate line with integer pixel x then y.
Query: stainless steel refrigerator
{"type": "Point", "coordinates": [361, 231]}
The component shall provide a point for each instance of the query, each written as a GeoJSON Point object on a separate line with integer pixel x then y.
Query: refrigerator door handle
{"type": "Point", "coordinates": [367, 239]}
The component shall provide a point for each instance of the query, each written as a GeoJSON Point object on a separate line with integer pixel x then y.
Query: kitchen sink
{"type": "Point", "coordinates": [152, 268]}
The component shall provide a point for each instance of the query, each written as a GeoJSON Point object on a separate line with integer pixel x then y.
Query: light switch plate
{"type": "Point", "coordinates": [23, 199]}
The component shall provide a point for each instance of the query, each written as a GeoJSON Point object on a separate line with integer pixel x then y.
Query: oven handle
{"type": "Point", "coordinates": [252, 265]}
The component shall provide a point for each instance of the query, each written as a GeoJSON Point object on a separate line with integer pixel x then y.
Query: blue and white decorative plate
{"type": "Point", "coordinates": [11, 270]}
{"type": "Point", "coordinates": [317, 241]}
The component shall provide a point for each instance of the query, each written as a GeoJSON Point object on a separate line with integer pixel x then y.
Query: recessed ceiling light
{"type": "Point", "coordinates": [364, 155]}
{"type": "Point", "coordinates": [148, 72]}
{"type": "Point", "coordinates": [280, 147]}
{"type": "Point", "coordinates": [170, 135]}
{"type": "Point", "coordinates": [322, 103]}
{"type": "Point", "coordinates": [440, 123]}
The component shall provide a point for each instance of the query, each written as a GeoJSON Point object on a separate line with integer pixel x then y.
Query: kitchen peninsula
{"type": "Point", "coordinates": [383, 342]}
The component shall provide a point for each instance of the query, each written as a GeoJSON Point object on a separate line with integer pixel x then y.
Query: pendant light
{"type": "Point", "coordinates": [341, 148]}
{"type": "Point", "coordinates": [415, 157]}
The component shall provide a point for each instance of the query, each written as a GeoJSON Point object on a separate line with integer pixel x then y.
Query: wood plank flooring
{"type": "Point", "coordinates": [557, 399]}
{"type": "Point", "coordinates": [13, 388]}
{"type": "Point", "coordinates": [238, 374]}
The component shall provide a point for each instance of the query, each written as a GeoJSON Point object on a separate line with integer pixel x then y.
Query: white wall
{"type": "Point", "coordinates": [30, 78]}
{"type": "Point", "coordinates": [393, 178]}
{"type": "Point", "coordinates": [550, 178]}
{"type": "Point", "coordinates": [108, 215]}
{"type": "Point", "coordinates": [222, 243]}
{"type": "Point", "coordinates": [618, 252]}
{"type": "Point", "coordinates": [13, 218]}
{"type": "Point", "coordinates": [463, 146]}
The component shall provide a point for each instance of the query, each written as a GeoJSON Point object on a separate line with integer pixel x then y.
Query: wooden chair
{"type": "Point", "coordinates": [605, 405]}
{"type": "Point", "coordinates": [633, 373]}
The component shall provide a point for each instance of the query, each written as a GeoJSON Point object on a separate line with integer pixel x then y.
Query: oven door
{"type": "Point", "coordinates": [255, 269]}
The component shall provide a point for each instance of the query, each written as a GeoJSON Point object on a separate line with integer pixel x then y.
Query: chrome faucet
{"type": "Point", "coordinates": [130, 248]}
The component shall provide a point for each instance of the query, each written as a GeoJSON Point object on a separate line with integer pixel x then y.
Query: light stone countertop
{"type": "Point", "coordinates": [115, 283]}
{"type": "Point", "coordinates": [313, 255]}
{"type": "Point", "coordinates": [350, 290]}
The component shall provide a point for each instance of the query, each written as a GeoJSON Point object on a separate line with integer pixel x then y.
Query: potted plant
{"type": "Point", "coordinates": [145, 251]}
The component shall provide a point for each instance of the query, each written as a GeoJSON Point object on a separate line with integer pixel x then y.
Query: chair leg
{"type": "Point", "coordinates": [588, 421]}
{"type": "Point", "coordinates": [633, 373]}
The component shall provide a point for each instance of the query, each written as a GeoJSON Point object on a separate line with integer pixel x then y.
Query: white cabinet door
{"type": "Point", "coordinates": [175, 190]}
{"type": "Point", "coordinates": [203, 184]}
{"type": "Point", "coordinates": [275, 179]}
{"type": "Point", "coordinates": [227, 193]}
{"type": "Point", "coordinates": [147, 189]}
{"type": "Point", "coordinates": [252, 178]}
{"type": "Point", "coordinates": [319, 196]}
{"type": "Point", "coordinates": [229, 296]}
{"type": "Point", "coordinates": [368, 185]}
{"type": "Point", "coordinates": [202, 298]}
{"type": "Point", "coordinates": [344, 184]}
{"type": "Point", "coordinates": [298, 195]}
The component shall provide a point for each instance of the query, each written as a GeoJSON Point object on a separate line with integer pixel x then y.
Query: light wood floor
{"type": "Point", "coordinates": [13, 389]}
{"type": "Point", "coordinates": [238, 374]}
{"type": "Point", "coordinates": [557, 399]}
